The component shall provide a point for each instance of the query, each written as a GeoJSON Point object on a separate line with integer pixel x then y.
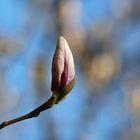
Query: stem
{"type": "Point", "coordinates": [31, 114]}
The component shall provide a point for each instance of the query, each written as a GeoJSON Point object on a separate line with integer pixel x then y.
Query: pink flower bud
{"type": "Point", "coordinates": [63, 71]}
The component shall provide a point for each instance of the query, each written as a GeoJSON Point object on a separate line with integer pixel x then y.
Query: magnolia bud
{"type": "Point", "coordinates": [63, 71]}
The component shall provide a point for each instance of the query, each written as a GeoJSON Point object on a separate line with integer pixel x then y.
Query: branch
{"type": "Point", "coordinates": [34, 113]}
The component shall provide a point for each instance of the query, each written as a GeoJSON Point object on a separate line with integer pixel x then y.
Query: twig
{"type": "Point", "coordinates": [34, 113]}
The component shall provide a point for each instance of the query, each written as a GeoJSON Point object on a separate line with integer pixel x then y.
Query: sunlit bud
{"type": "Point", "coordinates": [63, 71]}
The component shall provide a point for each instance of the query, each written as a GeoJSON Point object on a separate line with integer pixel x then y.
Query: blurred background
{"type": "Point", "coordinates": [104, 36]}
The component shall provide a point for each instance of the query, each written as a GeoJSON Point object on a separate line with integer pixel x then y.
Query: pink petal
{"type": "Point", "coordinates": [57, 66]}
{"type": "Point", "coordinates": [63, 71]}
